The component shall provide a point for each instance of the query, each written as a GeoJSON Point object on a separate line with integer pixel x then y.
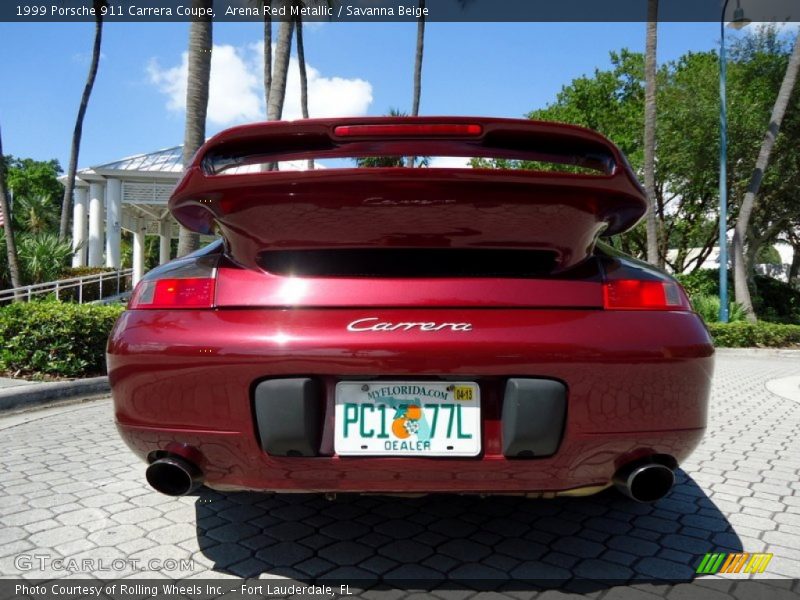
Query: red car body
{"type": "Point", "coordinates": [489, 276]}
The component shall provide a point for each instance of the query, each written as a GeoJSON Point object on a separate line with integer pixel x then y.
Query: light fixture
{"type": "Point", "coordinates": [739, 20]}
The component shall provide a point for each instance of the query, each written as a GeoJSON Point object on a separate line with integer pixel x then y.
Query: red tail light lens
{"type": "Point", "coordinates": [632, 294]}
{"type": "Point", "coordinates": [192, 292]}
{"type": "Point", "coordinates": [409, 130]}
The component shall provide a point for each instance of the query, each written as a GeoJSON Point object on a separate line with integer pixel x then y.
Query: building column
{"type": "Point", "coordinates": [113, 215]}
{"type": "Point", "coordinates": [164, 240]}
{"type": "Point", "coordinates": [138, 250]}
{"type": "Point", "coordinates": [79, 226]}
{"type": "Point", "coordinates": [96, 193]}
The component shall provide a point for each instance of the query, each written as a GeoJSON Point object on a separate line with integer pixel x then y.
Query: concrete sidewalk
{"type": "Point", "coordinates": [71, 489]}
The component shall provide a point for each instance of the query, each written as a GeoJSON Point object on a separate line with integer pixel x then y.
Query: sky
{"type": "Point", "coordinates": [485, 69]}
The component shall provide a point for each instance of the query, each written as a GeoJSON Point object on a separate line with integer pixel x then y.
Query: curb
{"type": "Point", "coordinates": [791, 352]}
{"type": "Point", "coordinates": [42, 393]}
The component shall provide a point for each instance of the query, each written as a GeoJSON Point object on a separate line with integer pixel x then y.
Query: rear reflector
{"type": "Point", "coordinates": [409, 130]}
{"type": "Point", "coordinates": [632, 294]}
{"type": "Point", "coordinates": [193, 292]}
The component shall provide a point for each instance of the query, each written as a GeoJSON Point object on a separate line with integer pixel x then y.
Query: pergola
{"type": "Point", "coordinates": [129, 194]}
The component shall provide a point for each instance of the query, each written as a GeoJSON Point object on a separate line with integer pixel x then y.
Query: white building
{"type": "Point", "coordinates": [129, 194]}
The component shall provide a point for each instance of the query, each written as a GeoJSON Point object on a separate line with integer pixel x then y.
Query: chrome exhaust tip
{"type": "Point", "coordinates": [174, 476]}
{"type": "Point", "coordinates": [645, 482]}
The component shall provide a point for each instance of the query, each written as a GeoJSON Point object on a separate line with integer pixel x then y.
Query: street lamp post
{"type": "Point", "coordinates": [738, 22]}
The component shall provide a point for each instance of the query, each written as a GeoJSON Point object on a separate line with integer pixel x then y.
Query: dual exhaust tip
{"type": "Point", "coordinates": [645, 481]}
{"type": "Point", "coordinates": [642, 481]}
{"type": "Point", "coordinates": [174, 476]}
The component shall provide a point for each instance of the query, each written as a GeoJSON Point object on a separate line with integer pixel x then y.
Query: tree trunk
{"type": "Point", "coordinates": [794, 268]}
{"type": "Point", "coordinates": [749, 203]}
{"type": "Point", "coordinates": [265, 4]}
{"type": "Point", "coordinates": [418, 62]}
{"type": "Point", "coordinates": [5, 211]}
{"type": "Point", "coordinates": [200, 45]}
{"type": "Point", "coordinates": [301, 60]}
{"type": "Point", "coordinates": [69, 185]}
{"type": "Point", "coordinates": [650, 132]}
{"type": "Point", "coordinates": [418, 69]}
{"type": "Point", "coordinates": [277, 92]}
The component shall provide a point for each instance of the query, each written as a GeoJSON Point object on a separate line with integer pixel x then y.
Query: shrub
{"type": "Point", "coordinates": [55, 339]}
{"type": "Point", "coordinates": [761, 334]}
{"type": "Point", "coordinates": [703, 282]}
{"type": "Point", "coordinates": [43, 256]}
{"type": "Point", "coordinates": [774, 301]}
{"type": "Point", "coordinates": [708, 308]}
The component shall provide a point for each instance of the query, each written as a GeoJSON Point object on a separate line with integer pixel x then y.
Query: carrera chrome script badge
{"type": "Point", "coordinates": [375, 324]}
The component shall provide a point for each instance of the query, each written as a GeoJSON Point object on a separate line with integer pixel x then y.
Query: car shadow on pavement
{"type": "Point", "coordinates": [581, 544]}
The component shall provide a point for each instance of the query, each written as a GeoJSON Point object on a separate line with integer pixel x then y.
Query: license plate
{"type": "Point", "coordinates": [408, 418]}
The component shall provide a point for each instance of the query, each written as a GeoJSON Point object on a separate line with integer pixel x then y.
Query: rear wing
{"type": "Point", "coordinates": [232, 185]}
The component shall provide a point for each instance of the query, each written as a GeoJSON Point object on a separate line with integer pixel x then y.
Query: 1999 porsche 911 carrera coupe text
{"type": "Point", "coordinates": [395, 329]}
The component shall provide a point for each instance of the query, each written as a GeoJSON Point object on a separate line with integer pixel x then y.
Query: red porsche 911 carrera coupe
{"type": "Point", "coordinates": [366, 326]}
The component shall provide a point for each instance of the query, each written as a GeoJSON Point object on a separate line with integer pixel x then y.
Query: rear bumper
{"type": "Point", "coordinates": [637, 382]}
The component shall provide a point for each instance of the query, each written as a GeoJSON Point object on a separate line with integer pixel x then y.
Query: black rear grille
{"type": "Point", "coordinates": [409, 262]}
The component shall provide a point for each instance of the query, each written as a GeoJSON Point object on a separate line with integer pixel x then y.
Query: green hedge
{"type": "Point", "coordinates": [55, 339]}
{"type": "Point", "coordinates": [69, 340]}
{"type": "Point", "coordinates": [748, 335]}
{"type": "Point", "coordinates": [774, 301]}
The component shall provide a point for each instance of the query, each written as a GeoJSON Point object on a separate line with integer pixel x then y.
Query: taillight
{"type": "Point", "coordinates": [633, 294]}
{"type": "Point", "coordinates": [190, 292]}
{"type": "Point", "coordinates": [410, 130]}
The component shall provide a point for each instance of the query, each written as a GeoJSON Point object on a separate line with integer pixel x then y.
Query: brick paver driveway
{"type": "Point", "coordinates": [70, 489]}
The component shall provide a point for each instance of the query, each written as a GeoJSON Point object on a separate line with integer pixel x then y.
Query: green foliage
{"type": "Point", "coordinates": [768, 255]}
{"type": "Point", "coordinates": [761, 335]}
{"type": "Point", "coordinates": [84, 271]}
{"type": "Point", "coordinates": [43, 256]}
{"type": "Point", "coordinates": [55, 339]}
{"type": "Point", "coordinates": [152, 254]}
{"type": "Point", "coordinates": [28, 178]}
{"type": "Point", "coordinates": [708, 308]}
{"type": "Point", "coordinates": [611, 101]}
{"type": "Point", "coordinates": [774, 301]}
{"type": "Point", "coordinates": [36, 211]}
{"type": "Point", "coordinates": [36, 214]}
{"type": "Point", "coordinates": [703, 282]}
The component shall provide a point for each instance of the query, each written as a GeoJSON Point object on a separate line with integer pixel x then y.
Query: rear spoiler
{"type": "Point", "coordinates": [217, 190]}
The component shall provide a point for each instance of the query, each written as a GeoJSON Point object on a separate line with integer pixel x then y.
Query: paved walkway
{"type": "Point", "coordinates": [70, 489]}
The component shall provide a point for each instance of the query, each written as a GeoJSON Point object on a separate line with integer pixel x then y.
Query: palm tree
{"type": "Point", "coordinates": [44, 256]}
{"type": "Point", "coordinates": [200, 44]}
{"type": "Point", "coordinates": [277, 91]}
{"type": "Point", "coordinates": [418, 69]}
{"type": "Point", "coordinates": [650, 131]}
{"type": "Point", "coordinates": [265, 5]}
{"type": "Point", "coordinates": [35, 214]}
{"type": "Point", "coordinates": [418, 61]}
{"type": "Point", "coordinates": [740, 275]}
{"type": "Point", "coordinates": [5, 214]}
{"type": "Point", "coordinates": [69, 186]}
{"type": "Point", "coordinates": [301, 61]}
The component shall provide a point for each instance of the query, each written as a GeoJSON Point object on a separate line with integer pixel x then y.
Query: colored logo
{"type": "Point", "coordinates": [408, 419]}
{"type": "Point", "coordinates": [734, 562]}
